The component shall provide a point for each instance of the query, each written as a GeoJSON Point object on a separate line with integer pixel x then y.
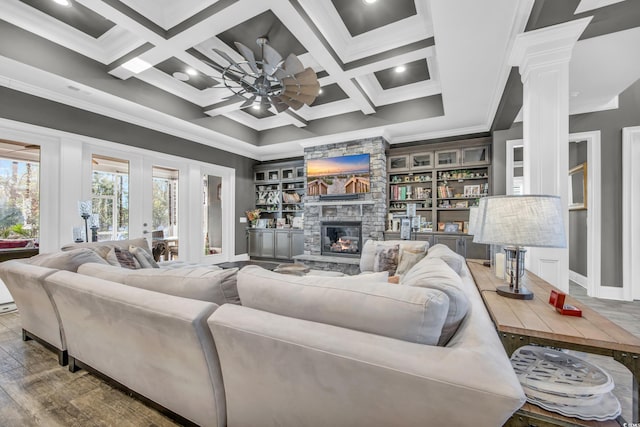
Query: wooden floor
{"type": "Point", "coordinates": [36, 391]}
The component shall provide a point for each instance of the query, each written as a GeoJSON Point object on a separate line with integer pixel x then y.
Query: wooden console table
{"type": "Point", "coordinates": [521, 322]}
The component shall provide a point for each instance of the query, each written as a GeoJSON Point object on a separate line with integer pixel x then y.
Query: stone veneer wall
{"type": "Point", "coordinates": [373, 215]}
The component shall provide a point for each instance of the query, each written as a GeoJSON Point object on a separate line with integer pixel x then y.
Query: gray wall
{"type": "Point", "coordinates": [610, 124]}
{"type": "Point", "coordinates": [26, 108]}
{"type": "Point", "coordinates": [578, 218]}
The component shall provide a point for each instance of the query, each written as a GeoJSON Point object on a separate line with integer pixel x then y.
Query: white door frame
{"type": "Point", "coordinates": [594, 208]}
{"type": "Point", "coordinates": [630, 212]}
{"type": "Point", "coordinates": [510, 163]}
{"type": "Point", "coordinates": [594, 214]}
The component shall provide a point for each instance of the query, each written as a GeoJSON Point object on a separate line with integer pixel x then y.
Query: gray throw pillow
{"type": "Point", "coordinates": [69, 260]}
{"type": "Point", "coordinates": [124, 257]}
{"type": "Point", "coordinates": [143, 257]}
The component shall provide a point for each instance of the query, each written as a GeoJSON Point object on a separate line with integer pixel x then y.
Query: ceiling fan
{"type": "Point", "coordinates": [270, 81]}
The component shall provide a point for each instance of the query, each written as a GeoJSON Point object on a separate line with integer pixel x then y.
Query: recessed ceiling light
{"type": "Point", "coordinates": [136, 65]}
{"type": "Point", "coordinates": [320, 91]}
{"type": "Point", "coordinates": [400, 69]}
{"type": "Point", "coordinates": [256, 106]}
{"type": "Point", "coordinates": [369, 1]}
{"type": "Point", "coordinates": [63, 2]}
{"type": "Point", "coordinates": [192, 72]}
{"type": "Point", "coordinates": [180, 76]}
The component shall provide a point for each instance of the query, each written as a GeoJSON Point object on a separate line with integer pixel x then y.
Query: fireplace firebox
{"type": "Point", "coordinates": [342, 238]}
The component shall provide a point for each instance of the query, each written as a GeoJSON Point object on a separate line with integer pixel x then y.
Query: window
{"type": "Point", "coordinates": [165, 201]}
{"type": "Point", "coordinates": [19, 195]}
{"type": "Point", "coordinates": [110, 197]}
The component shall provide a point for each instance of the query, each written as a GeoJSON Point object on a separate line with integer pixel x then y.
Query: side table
{"type": "Point", "coordinates": [521, 322]}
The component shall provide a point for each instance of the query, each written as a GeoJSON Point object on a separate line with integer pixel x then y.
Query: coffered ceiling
{"type": "Point", "coordinates": [453, 54]}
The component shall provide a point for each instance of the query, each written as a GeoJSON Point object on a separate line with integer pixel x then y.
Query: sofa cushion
{"type": "Point", "coordinates": [453, 260]}
{"type": "Point", "coordinates": [144, 258]}
{"type": "Point", "coordinates": [408, 258]}
{"type": "Point", "coordinates": [69, 260]}
{"type": "Point", "coordinates": [355, 302]}
{"type": "Point", "coordinates": [201, 283]}
{"type": "Point", "coordinates": [368, 254]}
{"type": "Point", "coordinates": [434, 273]}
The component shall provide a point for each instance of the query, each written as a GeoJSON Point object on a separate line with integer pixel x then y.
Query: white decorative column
{"type": "Point", "coordinates": [543, 58]}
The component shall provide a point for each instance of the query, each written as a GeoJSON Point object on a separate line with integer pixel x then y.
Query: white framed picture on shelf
{"type": "Point", "coordinates": [297, 222]}
{"type": "Point", "coordinates": [472, 190]}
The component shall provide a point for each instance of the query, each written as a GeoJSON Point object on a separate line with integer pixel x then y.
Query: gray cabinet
{"type": "Point", "coordinates": [297, 243]}
{"type": "Point", "coordinates": [261, 243]}
{"type": "Point", "coordinates": [461, 244]}
{"type": "Point", "coordinates": [283, 244]}
{"type": "Point", "coordinates": [275, 243]}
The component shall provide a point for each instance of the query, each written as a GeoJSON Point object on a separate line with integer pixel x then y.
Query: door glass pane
{"type": "Point", "coordinates": [398, 162]}
{"type": "Point", "coordinates": [212, 214]}
{"type": "Point", "coordinates": [110, 197]}
{"type": "Point", "coordinates": [19, 195]}
{"type": "Point", "coordinates": [165, 210]}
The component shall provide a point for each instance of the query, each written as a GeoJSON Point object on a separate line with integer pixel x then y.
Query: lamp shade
{"type": "Point", "coordinates": [473, 219]}
{"type": "Point", "coordinates": [529, 220]}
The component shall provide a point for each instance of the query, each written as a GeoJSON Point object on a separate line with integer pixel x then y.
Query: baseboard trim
{"type": "Point", "coordinates": [578, 278]}
{"type": "Point", "coordinates": [609, 292]}
{"type": "Point", "coordinates": [8, 308]}
{"type": "Point", "coordinates": [240, 257]}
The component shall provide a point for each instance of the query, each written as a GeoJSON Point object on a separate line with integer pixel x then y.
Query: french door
{"type": "Point", "coordinates": [182, 204]}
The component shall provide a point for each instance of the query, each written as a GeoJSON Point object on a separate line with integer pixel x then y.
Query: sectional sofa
{"type": "Point", "coordinates": [298, 351]}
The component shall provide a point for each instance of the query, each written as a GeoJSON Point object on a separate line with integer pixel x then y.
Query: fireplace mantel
{"type": "Point", "coordinates": [359, 203]}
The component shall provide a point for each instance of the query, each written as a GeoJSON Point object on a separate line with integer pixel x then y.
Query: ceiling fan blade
{"type": "Point", "coordinates": [278, 104]}
{"type": "Point", "coordinates": [296, 105]}
{"type": "Point", "coordinates": [307, 77]}
{"type": "Point", "coordinates": [271, 59]}
{"type": "Point", "coordinates": [307, 99]}
{"type": "Point", "coordinates": [292, 65]}
{"type": "Point", "coordinates": [248, 55]}
{"type": "Point", "coordinates": [248, 102]}
{"type": "Point", "coordinates": [313, 90]}
{"type": "Point", "coordinates": [228, 59]}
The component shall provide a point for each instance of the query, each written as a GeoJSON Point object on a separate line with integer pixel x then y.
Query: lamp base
{"type": "Point", "coordinates": [508, 291]}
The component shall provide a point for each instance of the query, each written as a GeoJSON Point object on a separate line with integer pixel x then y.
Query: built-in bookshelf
{"type": "Point", "coordinates": [279, 190]}
{"type": "Point", "coordinates": [443, 180]}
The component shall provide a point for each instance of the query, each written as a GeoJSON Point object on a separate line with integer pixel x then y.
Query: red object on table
{"type": "Point", "coordinates": [557, 298]}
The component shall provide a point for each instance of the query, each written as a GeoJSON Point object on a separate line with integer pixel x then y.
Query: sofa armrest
{"type": "Point", "coordinates": [286, 371]}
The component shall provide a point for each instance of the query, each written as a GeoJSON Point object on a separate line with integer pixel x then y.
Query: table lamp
{"type": "Point", "coordinates": [516, 222]}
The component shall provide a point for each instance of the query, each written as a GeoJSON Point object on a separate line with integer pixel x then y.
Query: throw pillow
{"type": "Point", "coordinates": [69, 260]}
{"type": "Point", "coordinates": [435, 273]}
{"type": "Point", "coordinates": [143, 257]}
{"type": "Point", "coordinates": [408, 258]}
{"type": "Point", "coordinates": [386, 259]}
{"type": "Point", "coordinates": [453, 260]}
{"type": "Point", "coordinates": [125, 258]}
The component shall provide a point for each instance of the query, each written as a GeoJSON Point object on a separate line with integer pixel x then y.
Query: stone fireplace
{"type": "Point", "coordinates": [368, 209]}
{"type": "Point", "coordinates": [341, 238]}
